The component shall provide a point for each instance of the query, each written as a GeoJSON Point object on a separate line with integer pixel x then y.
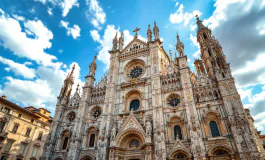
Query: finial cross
{"type": "Point", "coordinates": [136, 31]}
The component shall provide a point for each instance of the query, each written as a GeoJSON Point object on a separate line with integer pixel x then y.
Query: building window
{"type": "Point", "coordinates": [44, 112]}
{"type": "Point", "coordinates": [19, 115]}
{"type": "Point", "coordinates": [177, 132]}
{"type": "Point", "coordinates": [134, 105]}
{"type": "Point", "coordinates": [7, 110]}
{"type": "Point", "coordinates": [134, 143]}
{"type": "Point", "coordinates": [263, 141]}
{"type": "Point", "coordinates": [173, 100]}
{"type": "Point", "coordinates": [2, 125]}
{"type": "Point", "coordinates": [40, 136]}
{"type": "Point", "coordinates": [214, 129]}
{"type": "Point", "coordinates": [28, 132]}
{"type": "Point", "coordinates": [210, 53]}
{"type": "Point", "coordinates": [22, 148]}
{"type": "Point", "coordinates": [223, 74]}
{"type": "Point", "coordinates": [14, 130]}
{"type": "Point", "coordinates": [35, 151]}
{"type": "Point", "coordinates": [96, 112]}
{"type": "Point", "coordinates": [8, 146]}
{"type": "Point", "coordinates": [221, 152]}
{"type": "Point", "coordinates": [4, 158]}
{"type": "Point", "coordinates": [65, 142]}
{"type": "Point", "coordinates": [71, 116]}
{"type": "Point", "coordinates": [32, 120]}
{"type": "Point", "coordinates": [92, 140]}
{"type": "Point", "coordinates": [204, 36]}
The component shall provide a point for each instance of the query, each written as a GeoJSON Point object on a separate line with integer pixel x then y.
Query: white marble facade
{"type": "Point", "coordinates": [151, 106]}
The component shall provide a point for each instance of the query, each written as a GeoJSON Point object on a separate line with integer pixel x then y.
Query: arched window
{"type": "Point", "coordinates": [92, 140]}
{"type": "Point", "coordinates": [216, 95]}
{"type": "Point", "coordinates": [65, 142]}
{"type": "Point", "coordinates": [135, 104]}
{"type": "Point", "coordinates": [209, 52]}
{"type": "Point", "coordinates": [223, 74]}
{"type": "Point", "coordinates": [221, 152]}
{"type": "Point", "coordinates": [204, 36]}
{"type": "Point", "coordinates": [214, 129]}
{"type": "Point", "coordinates": [134, 143]}
{"type": "Point", "coordinates": [177, 132]}
{"type": "Point", "coordinates": [197, 98]}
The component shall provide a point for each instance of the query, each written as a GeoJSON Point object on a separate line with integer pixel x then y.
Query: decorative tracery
{"type": "Point", "coordinates": [96, 112]}
{"type": "Point", "coordinates": [173, 100]}
{"type": "Point", "coordinates": [134, 69]}
{"type": "Point", "coordinates": [71, 116]}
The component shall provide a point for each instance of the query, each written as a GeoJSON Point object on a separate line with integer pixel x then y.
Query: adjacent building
{"type": "Point", "coordinates": [23, 131]}
{"type": "Point", "coordinates": [151, 106]}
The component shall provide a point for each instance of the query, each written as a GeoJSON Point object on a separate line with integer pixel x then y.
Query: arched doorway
{"type": "Point", "coordinates": [180, 155]}
{"type": "Point", "coordinates": [220, 153]}
{"type": "Point", "coordinates": [130, 145]}
{"type": "Point", "coordinates": [86, 158]}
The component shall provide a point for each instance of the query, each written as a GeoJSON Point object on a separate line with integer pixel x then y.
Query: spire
{"type": "Point", "coordinates": [121, 41]}
{"type": "Point", "coordinates": [77, 87]}
{"type": "Point", "coordinates": [199, 24]}
{"type": "Point", "coordinates": [170, 53]}
{"type": "Point", "coordinates": [71, 76]}
{"type": "Point", "coordinates": [93, 66]}
{"type": "Point", "coordinates": [156, 31]}
{"type": "Point", "coordinates": [115, 42]}
{"type": "Point", "coordinates": [149, 33]}
{"type": "Point", "coordinates": [180, 47]}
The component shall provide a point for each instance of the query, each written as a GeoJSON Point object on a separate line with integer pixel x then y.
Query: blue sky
{"type": "Point", "coordinates": [40, 40]}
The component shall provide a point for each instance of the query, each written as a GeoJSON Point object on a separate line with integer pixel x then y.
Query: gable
{"type": "Point", "coordinates": [131, 123]}
{"type": "Point", "coordinates": [134, 44]}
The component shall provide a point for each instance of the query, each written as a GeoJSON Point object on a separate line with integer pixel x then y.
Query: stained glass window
{"type": "Point", "coordinates": [92, 140]}
{"type": "Point", "coordinates": [136, 72]}
{"type": "Point", "coordinates": [214, 129]}
{"type": "Point", "coordinates": [135, 104]}
{"type": "Point", "coordinates": [134, 143]}
{"type": "Point", "coordinates": [97, 113]}
{"type": "Point", "coordinates": [71, 116]}
{"type": "Point", "coordinates": [173, 101]}
{"type": "Point", "coordinates": [177, 132]}
{"type": "Point", "coordinates": [221, 152]}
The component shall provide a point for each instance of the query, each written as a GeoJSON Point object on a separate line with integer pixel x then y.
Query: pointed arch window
{"type": "Point", "coordinates": [204, 36]}
{"type": "Point", "coordinates": [134, 105]}
{"type": "Point", "coordinates": [177, 132]}
{"type": "Point", "coordinates": [214, 129]}
{"type": "Point", "coordinates": [92, 140]}
{"type": "Point", "coordinates": [209, 52]}
{"type": "Point", "coordinates": [65, 142]}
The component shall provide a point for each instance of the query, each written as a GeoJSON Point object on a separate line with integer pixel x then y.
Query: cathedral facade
{"type": "Point", "coordinates": [150, 106]}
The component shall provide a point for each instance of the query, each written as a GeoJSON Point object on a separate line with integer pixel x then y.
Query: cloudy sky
{"type": "Point", "coordinates": [40, 40]}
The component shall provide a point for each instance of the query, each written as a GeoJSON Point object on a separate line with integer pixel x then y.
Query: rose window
{"type": "Point", "coordinates": [71, 116]}
{"type": "Point", "coordinates": [96, 112]}
{"type": "Point", "coordinates": [134, 69]}
{"type": "Point", "coordinates": [173, 100]}
{"type": "Point", "coordinates": [136, 72]}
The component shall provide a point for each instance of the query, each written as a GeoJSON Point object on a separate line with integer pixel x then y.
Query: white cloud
{"type": "Point", "coordinates": [74, 31]}
{"type": "Point", "coordinates": [1, 11]}
{"type": "Point", "coordinates": [14, 39]}
{"type": "Point", "coordinates": [49, 82]}
{"type": "Point", "coordinates": [18, 69]}
{"type": "Point", "coordinates": [49, 10]}
{"type": "Point", "coordinates": [60, 51]}
{"type": "Point", "coordinates": [95, 14]}
{"type": "Point", "coordinates": [183, 17]}
{"type": "Point", "coordinates": [19, 18]}
{"type": "Point", "coordinates": [106, 41]}
{"type": "Point", "coordinates": [177, 3]}
{"type": "Point", "coordinates": [67, 5]}
{"type": "Point", "coordinates": [244, 93]}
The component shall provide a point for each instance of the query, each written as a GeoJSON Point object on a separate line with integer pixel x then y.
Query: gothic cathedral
{"type": "Point", "coordinates": [150, 106]}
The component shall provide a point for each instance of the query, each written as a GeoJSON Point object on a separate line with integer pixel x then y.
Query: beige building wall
{"type": "Point", "coordinates": [23, 132]}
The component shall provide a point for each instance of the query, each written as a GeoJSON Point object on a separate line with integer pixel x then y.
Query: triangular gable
{"type": "Point", "coordinates": [199, 80]}
{"type": "Point", "coordinates": [179, 145]}
{"type": "Point", "coordinates": [131, 123]}
{"type": "Point", "coordinates": [135, 40]}
{"type": "Point", "coordinates": [75, 99]}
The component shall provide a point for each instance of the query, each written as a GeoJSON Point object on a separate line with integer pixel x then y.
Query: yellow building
{"type": "Point", "coordinates": [23, 131]}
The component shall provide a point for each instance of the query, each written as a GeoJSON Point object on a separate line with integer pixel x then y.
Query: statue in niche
{"type": "Point", "coordinates": [148, 128]}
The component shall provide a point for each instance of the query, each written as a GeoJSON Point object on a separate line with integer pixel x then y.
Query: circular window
{"type": "Point", "coordinates": [136, 72]}
{"type": "Point", "coordinates": [96, 112]}
{"type": "Point", "coordinates": [134, 143]}
{"type": "Point", "coordinates": [173, 100]}
{"type": "Point", "coordinates": [134, 105]}
{"type": "Point", "coordinates": [71, 116]}
{"type": "Point", "coordinates": [134, 69]}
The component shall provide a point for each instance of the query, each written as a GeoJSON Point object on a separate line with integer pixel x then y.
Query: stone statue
{"type": "Point", "coordinates": [156, 31]}
{"type": "Point", "coordinates": [148, 128]}
{"type": "Point", "coordinates": [149, 33]}
{"type": "Point", "coordinates": [113, 133]}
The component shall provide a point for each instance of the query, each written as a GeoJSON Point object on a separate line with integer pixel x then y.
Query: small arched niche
{"type": "Point", "coordinates": [133, 101]}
